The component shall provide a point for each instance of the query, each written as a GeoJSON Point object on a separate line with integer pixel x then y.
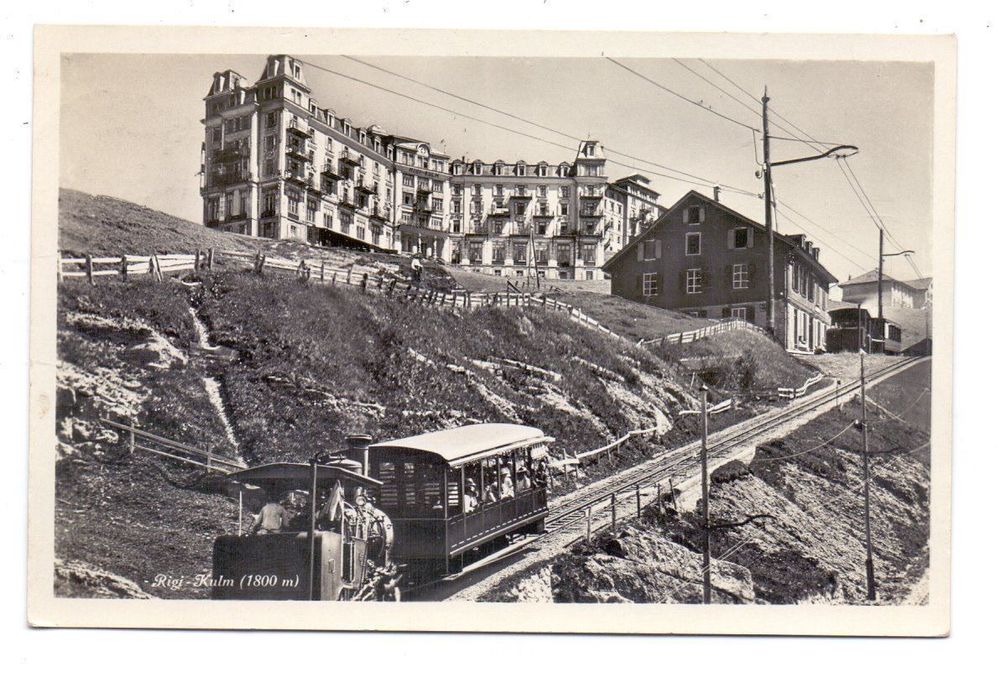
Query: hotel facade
{"type": "Point", "coordinates": [276, 164]}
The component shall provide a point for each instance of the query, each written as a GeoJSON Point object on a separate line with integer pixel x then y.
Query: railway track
{"type": "Point", "coordinates": [679, 461]}
{"type": "Point", "coordinates": [676, 463]}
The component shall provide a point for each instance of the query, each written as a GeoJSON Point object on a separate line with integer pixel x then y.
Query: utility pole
{"type": "Point", "coordinates": [707, 555]}
{"type": "Point", "coordinates": [768, 221]}
{"type": "Point", "coordinates": [869, 562]}
{"type": "Point", "coordinates": [881, 259]}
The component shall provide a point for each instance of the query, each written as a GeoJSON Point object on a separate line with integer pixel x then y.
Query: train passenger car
{"type": "Point", "coordinates": [457, 494]}
{"type": "Point", "coordinates": [849, 331]}
{"type": "Point", "coordinates": [886, 335]}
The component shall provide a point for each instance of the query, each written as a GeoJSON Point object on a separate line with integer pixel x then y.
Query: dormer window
{"type": "Point", "coordinates": [519, 171]}
{"type": "Point", "coordinates": [296, 71]}
{"type": "Point", "coordinates": [477, 169]}
{"type": "Point", "coordinates": [543, 171]}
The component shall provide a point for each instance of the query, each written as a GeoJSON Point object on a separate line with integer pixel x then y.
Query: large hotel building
{"type": "Point", "coordinates": [277, 165]}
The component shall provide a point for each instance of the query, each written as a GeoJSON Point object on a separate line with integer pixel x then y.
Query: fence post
{"type": "Point", "coordinates": [837, 398]}
{"type": "Point", "coordinates": [349, 269]}
{"type": "Point", "coordinates": [124, 268]}
{"type": "Point", "coordinates": [90, 269]}
{"type": "Point", "coordinates": [673, 496]}
{"type": "Point", "coordinates": [638, 502]}
{"type": "Point", "coordinates": [381, 279]}
{"type": "Point", "coordinates": [211, 258]}
{"type": "Point", "coordinates": [614, 512]}
{"type": "Point", "coordinates": [588, 523]}
{"type": "Point", "coordinates": [364, 282]}
{"type": "Point", "coordinates": [131, 436]}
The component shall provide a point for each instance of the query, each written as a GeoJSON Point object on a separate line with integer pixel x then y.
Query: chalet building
{"type": "Point", "coordinates": [707, 260]}
{"type": "Point", "coordinates": [277, 164]}
{"type": "Point", "coordinates": [863, 290]}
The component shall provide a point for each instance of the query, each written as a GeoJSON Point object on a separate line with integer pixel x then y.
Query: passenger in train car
{"type": "Point", "coordinates": [523, 477]}
{"type": "Point", "coordinates": [541, 475]}
{"type": "Point", "coordinates": [490, 492]}
{"type": "Point", "coordinates": [506, 484]}
{"type": "Point", "coordinates": [356, 516]}
{"type": "Point", "coordinates": [273, 517]}
{"type": "Point", "coordinates": [470, 501]}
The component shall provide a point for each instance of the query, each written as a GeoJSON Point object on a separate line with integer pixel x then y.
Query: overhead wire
{"type": "Point", "coordinates": [678, 95]}
{"type": "Point", "coordinates": [708, 81]}
{"type": "Point", "coordinates": [687, 178]}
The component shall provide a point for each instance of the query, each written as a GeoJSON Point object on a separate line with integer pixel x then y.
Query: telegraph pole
{"type": "Point", "coordinates": [707, 555]}
{"type": "Point", "coordinates": [768, 221]}
{"type": "Point", "coordinates": [869, 562]}
{"type": "Point", "coordinates": [881, 259]}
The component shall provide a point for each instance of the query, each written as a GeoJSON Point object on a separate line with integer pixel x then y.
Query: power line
{"type": "Point", "coordinates": [713, 84]}
{"type": "Point", "coordinates": [694, 179]}
{"type": "Point", "coordinates": [678, 95]}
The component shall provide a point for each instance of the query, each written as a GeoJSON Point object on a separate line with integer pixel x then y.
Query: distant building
{"type": "Point", "coordinates": [276, 164]}
{"type": "Point", "coordinates": [863, 290]}
{"type": "Point", "coordinates": [708, 260]}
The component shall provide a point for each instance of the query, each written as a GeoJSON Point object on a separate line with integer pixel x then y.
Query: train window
{"type": "Point", "coordinates": [454, 490]}
{"type": "Point", "coordinates": [409, 484]}
{"type": "Point", "coordinates": [390, 491]}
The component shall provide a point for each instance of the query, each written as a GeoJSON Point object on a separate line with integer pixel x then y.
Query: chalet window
{"type": "Point", "coordinates": [694, 215]}
{"type": "Point", "coordinates": [692, 244]}
{"type": "Point", "coordinates": [649, 250]}
{"type": "Point", "coordinates": [693, 281]}
{"type": "Point", "coordinates": [739, 312]}
{"type": "Point", "coordinates": [741, 276]}
{"type": "Point", "coordinates": [650, 284]}
{"type": "Point", "coordinates": [740, 238]}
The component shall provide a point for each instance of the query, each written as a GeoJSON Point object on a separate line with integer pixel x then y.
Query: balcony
{"type": "Point", "coordinates": [543, 212]}
{"type": "Point", "coordinates": [350, 159]}
{"type": "Point", "coordinates": [347, 202]}
{"type": "Point", "coordinates": [500, 209]}
{"type": "Point", "coordinates": [380, 213]}
{"type": "Point", "coordinates": [227, 177]}
{"type": "Point", "coordinates": [365, 190]}
{"type": "Point", "coordinates": [231, 154]}
{"type": "Point", "coordinates": [298, 128]}
{"type": "Point", "coordinates": [331, 173]}
{"type": "Point", "coordinates": [521, 194]}
{"type": "Point", "coordinates": [298, 152]}
{"type": "Point", "coordinates": [297, 178]}
{"type": "Point", "coordinates": [594, 212]}
{"type": "Point", "coordinates": [590, 195]}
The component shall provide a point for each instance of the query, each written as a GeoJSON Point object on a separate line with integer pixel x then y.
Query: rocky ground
{"type": "Point", "coordinates": [794, 534]}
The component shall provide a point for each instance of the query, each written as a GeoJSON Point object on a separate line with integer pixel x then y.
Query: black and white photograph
{"type": "Point", "coordinates": [652, 322]}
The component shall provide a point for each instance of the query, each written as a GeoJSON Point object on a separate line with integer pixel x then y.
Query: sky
{"type": "Point", "coordinates": [130, 128]}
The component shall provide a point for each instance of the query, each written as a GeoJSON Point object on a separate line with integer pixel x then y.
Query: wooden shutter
{"type": "Point", "coordinates": [749, 237]}
{"type": "Point", "coordinates": [729, 275]}
{"type": "Point", "coordinates": [731, 239]}
{"type": "Point", "coordinates": [683, 282]}
{"type": "Point", "coordinates": [656, 244]}
{"type": "Point", "coordinates": [641, 251]}
{"type": "Point", "coordinates": [726, 312]}
{"type": "Point", "coordinates": [638, 284]}
{"type": "Point", "coordinates": [750, 314]}
{"type": "Point", "coordinates": [706, 280]}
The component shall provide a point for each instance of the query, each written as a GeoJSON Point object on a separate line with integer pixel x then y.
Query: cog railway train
{"type": "Point", "coordinates": [385, 517]}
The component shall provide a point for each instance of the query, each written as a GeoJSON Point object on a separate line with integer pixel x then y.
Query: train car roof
{"type": "Point", "coordinates": [293, 475]}
{"type": "Point", "coordinates": [458, 446]}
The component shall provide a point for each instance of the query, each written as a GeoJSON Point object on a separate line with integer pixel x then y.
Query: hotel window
{"type": "Point", "coordinates": [456, 224]}
{"type": "Point", "coordinates": [499, 252]}
{"type": "Point", "coordinates": [475, 252]}
{"type": "Point", "coordinates": [437, 186]}
{"type": "Point", "coordinates": [589, 253]}
{"type": "Point", "coordinates": [520, 254]}
{"type": "Point", "coordinates": [694, 215]}
{"type": "Point", "coordinates": [543, 171]}
{"type": "Point", "coordinates": [407, 180]}
{"type": "Point", "coordinates": [498, 226]}
{"type": "Point", "coordinates": [270, 201]}
{"type": "Point", "coordinates": [270, 142]}
{"type": "Point", "coordinates": [293, 207]}
{"type": "Point", "coordinates": [437, 205]}
{"type": "Point", "coordinates": [693, 280]}
{"type": "Point", "coordinates": [650, 284]}
{"type": "Point", "coordinates": [311, 210]}
{"type": "Point", "coordinates": [541, 254]}
{"type": "Point", "coordinates": [563, 254]}
{"type": "Point", "coordinates": [741, 276]}
{"type": "Point", "coordinates": [542, 190]}
{"type": "Point", "coordinates": [519, 208]}
{"type": "Point", "coordinates": [477, 190]}
{"type": "Point", "coordinates": [563, 209]}
{"type": "Point", "coordinates": [520, 171]}
{"type": "Point", "coordinates": [692, 244]}
{"type": "Point", "coordinates": [498, 190]}
{"type": "Point", "coordinates": [328, 220]}
{"type": "Point", "coordinates": [564, 192]}
{"type": "Point", "coordinates": [541, 227]}
{"type": "Point", "coordinates": [477, 169]}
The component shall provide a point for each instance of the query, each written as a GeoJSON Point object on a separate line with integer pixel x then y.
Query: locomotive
{"type": "Point", "coordinates": [426, 506]}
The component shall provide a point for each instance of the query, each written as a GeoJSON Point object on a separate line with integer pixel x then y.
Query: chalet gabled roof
{"type": "Point", "coordinates": [693, 194]}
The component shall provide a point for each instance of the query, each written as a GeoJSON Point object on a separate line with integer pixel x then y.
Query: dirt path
{"type": "Point", "coordinates": [213, 387]}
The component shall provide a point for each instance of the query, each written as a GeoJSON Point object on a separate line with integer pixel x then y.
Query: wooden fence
{"type": "Point", "coordinates": [689, 336]}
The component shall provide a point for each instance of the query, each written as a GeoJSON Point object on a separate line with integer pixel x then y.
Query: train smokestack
{"type": "Point", "coordinates": [357, 450]}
